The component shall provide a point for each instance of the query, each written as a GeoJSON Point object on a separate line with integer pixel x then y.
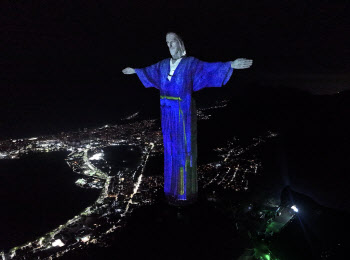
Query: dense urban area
{"type": "Point", "coordinates": [127, 189]}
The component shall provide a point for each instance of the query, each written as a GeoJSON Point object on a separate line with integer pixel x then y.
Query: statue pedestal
{"type": "Point", "coordinates": [180, 203]}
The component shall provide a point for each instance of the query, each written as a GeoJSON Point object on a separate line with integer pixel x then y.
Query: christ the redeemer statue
{"type": "Point", "coordinates": [176, 78]}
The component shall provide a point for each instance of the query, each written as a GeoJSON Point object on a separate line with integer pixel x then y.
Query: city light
{"type": "Point", "coordinates": [294, 208]}
{"type": "Point", "coordinates": [130, 188]}
{"type": "Point", "coordinates": [85, 239]}
{"type": "Point", "coordinates": [97, 156]}
{"type": "Point", "coordinates": [267, 257]}
{"type": "Point", "coordinates": [58, 242]}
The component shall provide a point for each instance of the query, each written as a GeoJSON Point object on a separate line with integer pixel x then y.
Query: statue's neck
{"type": "Point", "coordinates": [174, 59]}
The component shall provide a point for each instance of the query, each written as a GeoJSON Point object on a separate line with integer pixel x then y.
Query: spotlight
{"type": "Point", "coordinates": [294, 208]}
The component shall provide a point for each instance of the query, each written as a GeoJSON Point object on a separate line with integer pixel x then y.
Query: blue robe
{"type": "Point", "coordinates": [178, 118]}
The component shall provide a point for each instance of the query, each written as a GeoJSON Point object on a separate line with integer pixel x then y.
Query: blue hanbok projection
{"type": "Point", "coordinates": [178, 118]}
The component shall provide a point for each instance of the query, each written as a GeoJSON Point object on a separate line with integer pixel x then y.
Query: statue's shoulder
{"type": "Point", "coordinates": [192, 61]}
{"type": "Point", "coordinates": [190, 58]}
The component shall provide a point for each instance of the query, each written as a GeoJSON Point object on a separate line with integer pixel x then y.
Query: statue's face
{"type": "Point", "coordinates": [173, 45]}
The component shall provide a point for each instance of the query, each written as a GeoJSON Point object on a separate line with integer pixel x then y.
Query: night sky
{"type": "Point", "coordinates": [61, 63]}
{"type": "Point", "coordinates": [68, 55]}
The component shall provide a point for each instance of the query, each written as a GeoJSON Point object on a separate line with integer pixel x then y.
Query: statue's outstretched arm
{"type": "Point", "coordinates": [241, 63]}
{"type": "Point", "coordinates": [128, 70]}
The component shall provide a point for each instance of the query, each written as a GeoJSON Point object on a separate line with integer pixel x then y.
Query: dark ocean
{"type": "Point", "coordinates": [37, 194]}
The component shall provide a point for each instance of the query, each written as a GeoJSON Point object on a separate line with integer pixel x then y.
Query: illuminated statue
{"type": "Point", "coordinates": [176, 78]}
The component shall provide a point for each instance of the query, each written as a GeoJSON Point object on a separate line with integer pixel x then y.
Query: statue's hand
{"type": "Point", "coordinates": [241, 63]}
{"type": "Point", "coordinates": [128, 70]}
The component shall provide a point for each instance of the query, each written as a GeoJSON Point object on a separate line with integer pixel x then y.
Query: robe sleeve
{"type": "Point", "coordinates": [150, 76]}
{"type": "Point", "coordinates": [211, 74]}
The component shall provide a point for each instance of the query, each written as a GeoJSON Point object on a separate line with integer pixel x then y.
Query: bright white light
{"type": "Point", "coordinates": [85, 239]}
{"type": "Point", "coordinates": [294, 208]}
{"type": "Point", "coordinates": [81, 182]}
{"type": "Point", "coordinates": [41, 241]}
{"type": "Point", "coordinates": [97, 156]}
{"type": "Point", "coordinates": [13, 254]}
{"type": "Point", "coordinates": [58, 242]}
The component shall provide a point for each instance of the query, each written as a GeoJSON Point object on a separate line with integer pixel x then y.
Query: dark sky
{"type": "Point", "coordinates": [64, 51]}
{"type": "Point", "coordinates": [94, 40]}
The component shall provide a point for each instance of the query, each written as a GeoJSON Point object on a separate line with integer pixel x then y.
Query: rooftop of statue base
{"type": "Point", "coordinates": [190, 200]}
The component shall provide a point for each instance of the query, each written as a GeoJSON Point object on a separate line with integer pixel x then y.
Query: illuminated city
{"type": "Point", "coordinates": [234, 165]}
{"type": "Point", "coordinates": [105, 155]}
{"type": "Point", "coordinates": [124, 191]}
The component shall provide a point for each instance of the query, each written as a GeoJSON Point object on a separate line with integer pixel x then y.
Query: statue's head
{"type": "Point", "coordinates": [176, 45]}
